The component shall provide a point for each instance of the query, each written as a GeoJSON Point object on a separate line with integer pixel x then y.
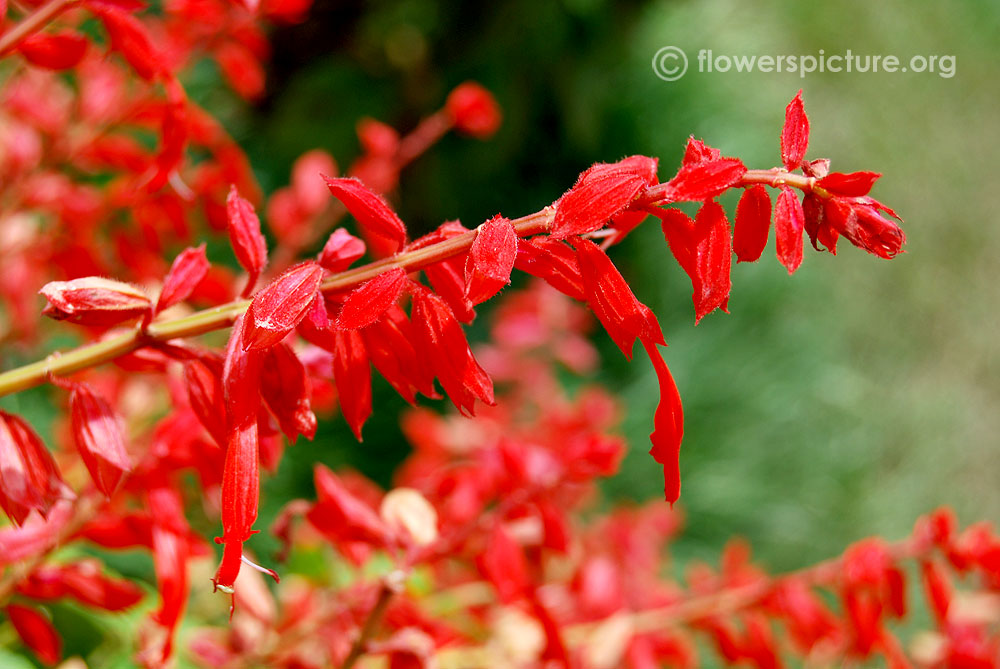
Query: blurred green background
{"type": "Point", "coordinates": [838, 403]}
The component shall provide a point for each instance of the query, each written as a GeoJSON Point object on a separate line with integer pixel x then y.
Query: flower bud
{"type": "Point", "coordinates": [474, 110]}
{"type": "Point", "coordinates": [93, 300]}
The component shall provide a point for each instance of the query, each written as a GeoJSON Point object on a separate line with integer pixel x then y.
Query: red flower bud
{"type": "Point", "coordinates": [366, 304]}
{"type": "Point", "coordinates": [702, 181]}
{"type": "Point", "coordinates": [93, 300]}
{"type": "Point", "coordinates": [187, 271]}
{"type": "Point", "coordinates": [795, 133]}
{"type": "Point", "coordinates": [491, 259]}
{"type": "Point", "coordinates": [245, 236]}
{"type": "Point", "coordinates": [600, 193]}
{"type": "Point", "coordinates": [29, 478]}
{"type": "Point", "coordinates": [36, 631]}
{"type": "Point", "coordinates": [373, 214]}
{"type": "Point", "coordinates": [340, 250]}
{"type": "Point", "coordinates": [789, 223]}
{"type": "Point", "coordinates": [473, 110]}
{"type": "Point", "coordinates": [55, 51]}
{"type": "Point", "coordinates": [753, 222]}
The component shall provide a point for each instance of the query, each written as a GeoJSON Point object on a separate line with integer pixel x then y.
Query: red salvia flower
{"type": "Point", "coordinates": [753, 222]}
{"type": "Point", "coordinates": [390, 345]}
{"type": "Point", "coordinates": [94, 300]}
{"type": "Point", "coordinates": [340, 514]}
{"type": "Point", "coordinates": [29, 478]}
{"type": "Point", "coordinates": [341, 250]}
{"type": "Point", "coordinates": [36, 631]}
{"type": "Point", "coordinates": [490, 259]}
{"type": "Point", "coordinates": [352, 374]}
{"type": "Point", "coordinates": [245, 236]}
{"type": "Point", "coordinates": [55, 51]}
{"type": "Point", "coordinates": [100, 438]}
{"type": "Point", "coordinates": [367, 303]}
{"type": "Point", "coordinates": [373, 214]}
{"type": "Point", "coordinates": [187, 271]}
{"type": "Point", "coordinates": [170, 555]}
{"type": "Point", "coordinates": [441, 341]}
{"type": "Point", "coordinates": [473, 110]}
{"type": "Point", "coordinates": [668, 425]}
{"type": "Point", "coordinates": [703, 249]}
{"type": "Point", "coordinates": [600, 193]}
{"type": "Point", "coordinates": [789, 222]}
{"type": "Point", "coordinates": [794, 134]}
{"type": "Point", "coordinates": [855, 184]}
{"type": "Point", "coordinates": [285, 389]}
{"type": "Point", "coordinates": [623, 316]}
{"type": "Point", "coordinates": [281, 305]}
{"type": "Point", "coordinates": [554, 261]}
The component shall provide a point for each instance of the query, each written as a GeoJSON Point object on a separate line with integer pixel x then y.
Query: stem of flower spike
{"type": "Point", "coordinates": [391, 584]}
{"type": "Point", "coordinates": [62, 364]}
{"type": "Point", "coordinates": [32, 23]}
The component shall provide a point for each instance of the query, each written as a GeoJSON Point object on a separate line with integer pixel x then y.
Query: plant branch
{"type": "Point", "coordinates": [32, 23]}
{"type": "Point", "coordinates": [391, 584]}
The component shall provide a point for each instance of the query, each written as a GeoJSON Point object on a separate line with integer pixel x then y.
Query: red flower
{"type": "Point", "coordinates": [352, 373]}
{"type": "Point", "coordinates": [473, 110]}
{"type": "Point", "coordinates": [668, 430]}
{"type": "Point", "coordinates": [55, 51]}
{"type": "Point", "coordinates": [600, 193]}
{"type": "Point", "coordinates": [753, 222]}
{"type": "Point", "coordinates": [794, 134]}
{"type": "Point", "coordinates": [29, 478]}
{"type": "Point", "coordinates": [703, 249]}
{"type": "Point", "coordinates": [340, 250]}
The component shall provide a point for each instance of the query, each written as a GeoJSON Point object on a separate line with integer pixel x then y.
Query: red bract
{"type": "Point", "coordinates": [795, 133]}
{"type": "Point", "coordinates": [29, 478]}
{"type": "Point", "coordinates": [353, 376]}
{"type": "Point", "coordinates": [491, 259]}
{"type": "Point", "coordinates": [245, 236]}
{"type": "Point", "coordinates": [855, 184]}
{"type": "Point", "coordinates": [36, 631]}
{"type": "Point", "coordinates": [93, 300]}
{"type": "Point", "coordinates": [600, 193]}
{"type": "Point", "coordinates": [703, 249]}
{"type": "Point", "coordinates": [473, 110]}
{"type": "Point", "coordinates": [341, 250]}
{"type": "Point", "coordinates": [366, 305]}
{"type": "Point", "coordinates": [100, 438]}
{"type": "Point", "coordinates": [189, 268]}
{"type": "Point", "coordinates": [281, 305]}
{"type": "Point", "coordinates": [789, 222]}
{"type": "Point", "coordinates": [702, 180]}
{"type": "Point", "coordinates": [440, 340]}
{"type": "Point", "coordinates": [373, 214]}
{"type": "Point", "coordinates": [753, 222]}
{"type": "Point", "coordinates": [668, 430]}
{"type": "Point", "coordinates": [57, 51]}
{"type": "Point", "coordinates": [623, 316]}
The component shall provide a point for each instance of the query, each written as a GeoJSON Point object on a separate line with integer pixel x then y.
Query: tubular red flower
{"type": "Point", "coordinates": [855, 184]}
{"type": "Point", "coordinates": [668, 430]}
{"type": "Point", "coordinates": [553, 261]}
{"type": "Point", "coordinates": [490, 260]}
{"type": "Point", "coordinates": [703, 249]}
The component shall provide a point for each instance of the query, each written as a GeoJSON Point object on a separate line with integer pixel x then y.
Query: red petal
{"type": "Point", "coordinates": [285, 388]}
{"type": "Point", "coordinates": [789, 222]}
{"type": "Point", "coordinates": [100, 438]}
{"type": "Point", "coordinates": [490, 259]}
{"type": "Point", "coordinates": [36, 632]}
{"type": "Point", "coordinates": [855, 184]}
{"type": "Point", "coordinates": [340, 250]}
{"type": "Point", "coordinates": [795, 134]}
{"type": "Point", "coordinates": [753, 222]}
{"type": "Point", "coordinates": [245, 236]}
{"type": "Point", "coordinates": [668, 430]}
{"type": "Point", "coordinates": [189, 268]}
{"type": "Point", "coordinates": [600, 193]}
{"type": "Point", "coordinates": [503, 564]}
{"type": "Point", "coordinates": [281, 305]}
{"type": "Point", "coordinates": [55, 51]}
{"type": "Point", "coordinates": [352, 374]}
{"type": "Point", "coordinates": [609, 296]}
{"type": "Point", "coordinates": [553, 261]}
{"type": "Point", "coordinates": [370, 210]}
{"type": "Point", "coordinates": [441, 341]}
{"type": "Point", "coordinates": [703, 180]}
{"type": "Point", "coordinates": [29, 478]}
{"type": "Point", "coordinates": [340, 514]}
{"type": "Point", "coordinates": [366, 304]}
{"type": "Point", "coordinates": [129, 37]}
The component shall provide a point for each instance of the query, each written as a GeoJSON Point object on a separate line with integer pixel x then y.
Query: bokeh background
{"type": "Point", "coordinates": [838, 403]}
